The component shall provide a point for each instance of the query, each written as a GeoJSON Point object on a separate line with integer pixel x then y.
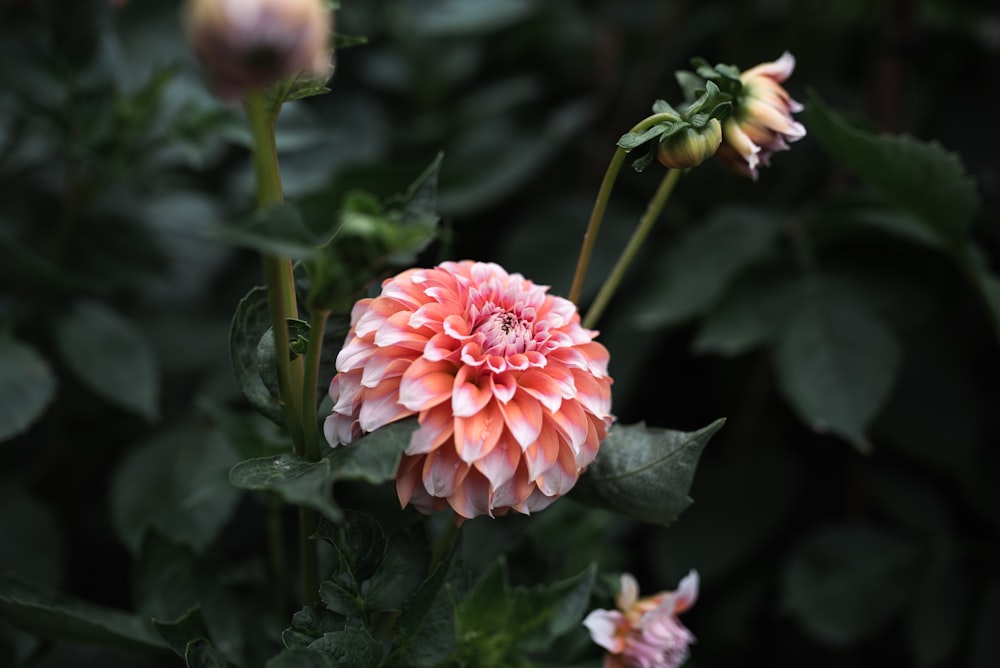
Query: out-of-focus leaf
{"type": "Point", "coordinates": [543, 613]}
{"type": "Point", "coordinates": [694, 274]}
{"type": "Point", "coordinates": [277, 230]}
{"type": "Point", "coordinates": [985, 642]}
{"type": "Point", "coordinates": [836, 363]}
{"type": "Point", "coordinates": [440, 18]}
{"type": "Point", "coordinates": [846, 582]}
{"type": "Point", "coordinates": [58, 616]}
{"type": "Point", "coordinates": [750, 314]}
{"type": "Point", "coordinates": [201, 653]}
{"type": "Point", "coordinates": [27, 387]}
{"type": "Point", "coordinates": [110, 356]}
{"type": "Point", "coordinates": [175, 483]}
{"type": "Point", "coordinates": [921, 178]}
{"type": "Point", "coordinates": [645, 472]}
{"type": "Point", "coordinates": [179, 632]}
{"type": "Point", "coordinates": [302, 657]}
{"type": "Point", "coordinates": [250, 322]}
{"type": "Point", "coordinates": [373, 458]}
{"type": "Point", "coordinates": [936, 618]}
{"type": "Point", "coordinates": [30, 543]}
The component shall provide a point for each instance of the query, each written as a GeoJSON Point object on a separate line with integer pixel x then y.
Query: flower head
{"type": "Point", "coordinates": [645, 632]}
{"type": "Point", "coordinates": [512, 394]}
{"type": "Point", "coordinates": [761, 119]}
{"type": "Point", "coordinates": [246, 44]}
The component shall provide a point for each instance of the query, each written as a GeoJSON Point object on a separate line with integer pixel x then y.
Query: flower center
{"type": "Point", "coordinates": [504, 333]}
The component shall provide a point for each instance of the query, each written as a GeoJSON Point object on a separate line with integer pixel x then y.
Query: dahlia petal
{"type": "Point", "coordinates": [354, 355]}
{"type": "Point", "coordinates": [436, 426]}
{"type": "Point", "coordinates": [738, 139]}
{"type": "Point", "coordinates": [379, 406]}
{"type": "Point", "coordinates": [515, 491]}
{"type": "Point", "coordinates": [593, 395]}
{"type": "Point", "coordinates": [628, 592]}
{"type": "Point", "coordinates": [542, 387]}
{"type": "Point", "coordinates": [572, 422]}
{"type": "Point", "coordinates": [561, 476]}
{"type": "Point", "coordinates": [523, 416]}
{"type": "Point", "coordinates": [477, 434]}
{"type": "Point", "coordinates": [426, 384]}
{"type": "Point", "coordinates": [535, 502]}
{"type": "Point", "coordinates": [500, 464]}
{"type": "Point", "coordinates": [779, 69]}
{"type": "Point", "coordinates": [603, 626]}
{"type": "Point", "coordinates": [395, 331]}
{"type": "Point", "coordinates": [456, 327]}
{"type": "Point", "coordinates": [408, 478]}
{"type": "Point", "coordinates": [687, 592]}
{"type": "Point", "coordinates": [542, 454]}
{"type": "Point", "coordinates": [504, 386]}
{"type": "Point", "coordinates": [471, 498]}
{"type": "Point", "coordinates": [384, 365]}
{"type": "Point", "coordinates": [443, 472]}
{"type": "Point", "coordinates": [431, 315]}
{"type": "Point", "coordinates": [469, 394]}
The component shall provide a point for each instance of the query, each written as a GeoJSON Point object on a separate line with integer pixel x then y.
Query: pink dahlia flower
{"type": "Point", "coordinates": [512, 394]}
{"type": "Point", "coordinates": [761, 121]}
{"type": "Point", "coordinates": [645, 632]}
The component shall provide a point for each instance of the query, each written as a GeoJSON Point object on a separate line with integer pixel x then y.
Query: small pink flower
{"type": "Point", "coordinates": [761, 121]}
{"type": "Point", "coordinates": [512, 394]}
{"type": "Point", "coordinates": [645, 632]}
{"type": "Point", "coordinates": [247, 44]}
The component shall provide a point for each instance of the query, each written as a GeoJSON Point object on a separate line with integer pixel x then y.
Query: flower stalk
{"type": "Point", "coordinates": [293, 380]}
{"type": "Point", "coordinates": [614, 279]}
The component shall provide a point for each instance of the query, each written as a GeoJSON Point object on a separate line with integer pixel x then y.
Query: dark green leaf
{"type": "Point", "coordinates": [400, 573]}
{"type": "Point", "coordinates": [483, 616]}
{"type": "Point", "coordinates": [310, 623]}
{"type": "Point", "coordinates": [250, 322]}
{"type": "Point", "coordinates": [27, 387]}
{"type": "Point", "coordinates": [936, 619]}
{"type": "Point", "coordinates": [277, 230]}
{"type": "Point", "coordinates": [844, 583]}
{"type": "Point", "coordinates": [645, 472]}
{"type": "Point", "coordinates": [201, 653]}
{"type": "Point", "coordinates": [541, 614]}
{"type": "Point", "coordinates": [295, 479]}
{"type": "Point", "coordinates": [693, 275]}
{"type": "Point", "coordinates": [342, 595]}
{"type": "Point", "coordinates": [61, 617]}
{"type": "Point", "coordinates": [921, 178]}
{"type": "Point", "coordinates": [374, 457]}
{"type": "Point", "coordinates": [30, 542]}
{"type": "Point", "coordinates": [836, 362]}
{"type": "Point", "coordinates": [181, 631]}
{"type": "Point", "coordinates": [302, 657]}
{"type": "Point", "coordinates": [426, 625]}
{"type": "Point", "coordinates": [110, 356]}
{"type": "Point", "coordinates": [177, 484]}
{"type": "Point", "coordinates": [351, 647]}
{"type": "Point", "coordinates": [359, 541]}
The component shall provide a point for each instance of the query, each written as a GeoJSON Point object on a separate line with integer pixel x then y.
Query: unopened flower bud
{"type": "Point", "coordinates": [252, 44]}
{"type": "Point", "coordinates": [691, 146]}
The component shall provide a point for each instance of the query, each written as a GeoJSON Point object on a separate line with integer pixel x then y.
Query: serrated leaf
{"type": "Point", "coordinates": [27, 387]}
{"type": "Point", "coordinates": [693, 275]}
{"type": "Point", "coordinates": [176, 483]}
{"type": "Point", "coordinates": [250, 322]}
{"type": "Point", "coordinates": [359, 540]}
{"type": "Point", "coordinates": [50, 614]}
{"type": "Point", "coordinates": [110, 356]}
{"type": "Point", "coordinates": [836, 362]}
{"type": "Point", "coordinates": [372, 458]}
{"type": "Point", "coordinates": [845, 582]}
{"type": "Point", "coordinates": [310, 623]}
{"type": "Point", "coordinates": [350, 647]}
{"type": "Point", "coordinates": [919, 177]}
{"type": "Point", "coordinates": [400, 573]}
{"type": "Point", "coordinates": [645, 472]}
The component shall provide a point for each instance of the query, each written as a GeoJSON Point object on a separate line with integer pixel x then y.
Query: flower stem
{"type": "Point", "coordinates": [614, 279]}
{"type": "Point", "coordinates": [310, 420]}
{"type": "Point", "coordinates": [601, 204]}
{"type": "Point", "coordinates": [283, 305]}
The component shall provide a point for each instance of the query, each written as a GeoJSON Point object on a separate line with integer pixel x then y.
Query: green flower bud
{"type": "Point", "coordinates": [690, 146]}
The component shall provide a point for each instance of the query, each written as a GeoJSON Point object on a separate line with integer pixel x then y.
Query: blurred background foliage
{"type": "Point", "coordinates": [847, 514]}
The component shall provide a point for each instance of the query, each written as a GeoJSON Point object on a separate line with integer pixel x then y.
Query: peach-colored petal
{"type": "Point", "coordinates": [426, 384]}
{"type": "Point", "coordinates": [437, 426]}
{"type": "Point", "coordinates": [476, 435]}
{"type": "Point", "coordinates": [470, 392]}
{"type": "Point", "coordinates": [443, 472]}
{"type": "Point", "coordinates": [523, 417]}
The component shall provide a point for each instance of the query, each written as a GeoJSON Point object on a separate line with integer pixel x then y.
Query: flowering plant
{"type": "Point", "coordinates": [391, 376]}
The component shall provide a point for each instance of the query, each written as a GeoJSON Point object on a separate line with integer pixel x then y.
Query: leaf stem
{"type": "Point", "coordinates": [614, 279]}
{"type": "Point", "coordinates": [601, 204]}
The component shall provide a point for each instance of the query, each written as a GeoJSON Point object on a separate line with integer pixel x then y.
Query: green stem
{"type": "Point", "coordinates": [310, 420]}
{"type": "Point", "coordinates": [283, 305]}
{"type": "Point", "coordinates": [601, 204]}
{"type": "Point", "coordinates": [277, 270]}
{"type": "Point", "coordinates": [614, 279]}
